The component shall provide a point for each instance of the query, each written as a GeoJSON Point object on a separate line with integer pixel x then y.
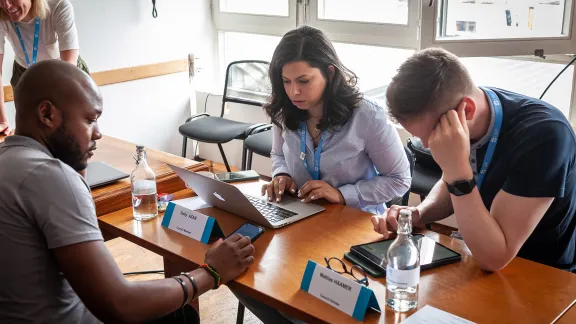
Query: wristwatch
{"type": "Point", "coordinates": [461, 188]}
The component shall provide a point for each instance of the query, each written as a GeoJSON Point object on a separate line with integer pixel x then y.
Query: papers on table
{"type": "Point", "coordinates": [431, 315]}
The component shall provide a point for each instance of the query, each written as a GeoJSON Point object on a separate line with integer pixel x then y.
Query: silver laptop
{"type": "Point", "coordinates": [99, 174]}
{"type": "Point", "coordinates": [257, 209]}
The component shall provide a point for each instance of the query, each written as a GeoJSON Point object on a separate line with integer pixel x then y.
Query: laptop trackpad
{"type": "Point", "coordinates": [296, 206]}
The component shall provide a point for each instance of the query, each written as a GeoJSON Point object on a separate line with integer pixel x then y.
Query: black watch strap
{"type": "Point", "coordinates": [461, 188]}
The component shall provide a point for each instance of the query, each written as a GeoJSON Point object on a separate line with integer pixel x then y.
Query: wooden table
{"type": "Point", "coordinates": [569, 317]}
{"type": "Point", "coordinates": [524, 292]}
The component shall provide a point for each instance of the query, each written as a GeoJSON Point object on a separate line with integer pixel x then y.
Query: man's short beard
{"type": "Point", "coordinates": [65, 148]}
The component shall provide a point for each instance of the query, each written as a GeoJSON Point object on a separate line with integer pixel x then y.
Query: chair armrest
{"type": "Point", "coordinates": [258, 129]}
{"type": "Point", "coordinates": [197, 116]}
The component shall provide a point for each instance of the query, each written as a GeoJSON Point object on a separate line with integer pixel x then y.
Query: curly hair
{"type": "Point", "coordinates": [341, 95]}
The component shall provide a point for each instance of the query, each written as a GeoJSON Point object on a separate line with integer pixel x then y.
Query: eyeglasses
{"type": "Point", "coordinates": [339, 267]}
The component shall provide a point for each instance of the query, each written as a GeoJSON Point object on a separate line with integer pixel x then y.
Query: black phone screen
{"type": "Point", "coordinates": [252, 231]}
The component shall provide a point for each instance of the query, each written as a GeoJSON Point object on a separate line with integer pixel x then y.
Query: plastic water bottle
{"type": "Point", "coordinates": [144, 194]}
{"type": "Point", "coordinates": [403, 267]}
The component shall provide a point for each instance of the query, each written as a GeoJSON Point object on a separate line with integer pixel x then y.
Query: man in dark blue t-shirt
{"type": "Point", "coordinates": [508, 162]}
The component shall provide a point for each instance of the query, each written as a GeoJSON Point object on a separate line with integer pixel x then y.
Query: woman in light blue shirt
{"type": "Point", "coordinates": [329, 142]}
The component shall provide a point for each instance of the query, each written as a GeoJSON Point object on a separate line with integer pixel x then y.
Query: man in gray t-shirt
{"type": "Point", "coordinates": [55, 266]}
{"type": "Point", "coordinates": [44, 204]}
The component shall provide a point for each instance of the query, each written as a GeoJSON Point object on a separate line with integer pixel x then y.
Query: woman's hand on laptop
{"type": "Point", "coordinates": [278, 186]}
{"type": "Point", "coordinates": [389, 223]}
{"type": "Point", "coordinates": [231, 257]}
{"type": "Point", "coordinates": [318, 189]}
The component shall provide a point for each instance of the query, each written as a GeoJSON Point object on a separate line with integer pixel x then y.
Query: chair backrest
{"type": "Point", "coordinates": [247, 82]}
{"type": "Point", "coordinates": [422, 155]}
{"type": "Point", "coordinates": [403, 201]}
{"type": "Point", "coordinates": [410, 157]}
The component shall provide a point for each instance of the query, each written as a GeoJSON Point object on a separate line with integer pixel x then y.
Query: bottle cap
{"type": "Point", "coordinates": [139, 147]}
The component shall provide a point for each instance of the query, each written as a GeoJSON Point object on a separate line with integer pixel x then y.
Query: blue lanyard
{"type": "Point", "coordinates": [497, 105]}
{"type": "Point", "coordinates": [36, 35]}
{"type": "Point", "coordinates": [315, 174]}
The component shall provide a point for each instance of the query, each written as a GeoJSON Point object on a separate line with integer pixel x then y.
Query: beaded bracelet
{"type": "Point", "coordinates": [193, 282]}
{"type": "Point", "coordinates": [185, 289]}
{"type": "Point", "coordinates": [213, 273]}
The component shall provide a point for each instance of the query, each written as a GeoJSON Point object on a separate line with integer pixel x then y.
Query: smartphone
{"type": "Point", "coordinates": [238, 176]}
{"type": "Point", "coordinates": [250, 230]}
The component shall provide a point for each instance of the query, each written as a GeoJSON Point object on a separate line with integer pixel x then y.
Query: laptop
{"type": "Point", "coordinates": [99, 174]}
{"type": "Point", "coordinates": [256, 209]}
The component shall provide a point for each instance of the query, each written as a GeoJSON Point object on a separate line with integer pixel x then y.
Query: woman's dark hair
{"type": "Point", "coordinates": [341, 95]}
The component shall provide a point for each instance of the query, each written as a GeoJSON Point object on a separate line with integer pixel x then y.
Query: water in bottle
{"type": "Point", "coordinates": [403, 267]}
{"type": "Point", "coordinates": [144, 194]}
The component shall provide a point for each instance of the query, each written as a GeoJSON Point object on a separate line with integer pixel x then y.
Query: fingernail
{"type": "Point", "coordinates": [279, 192]}
{"type": "Point", "coordinates": [312, 197]}
{"type": "Point", "coordinates": [277, 200]}
{"type": "Point", "coordinates": [269, 198]}
{"type": "Point", "coordinates": [293, 191]}
{"type": "Point", "coordinates": [302, 200]}
{"type": "Point", "coordinates": [299, 195]}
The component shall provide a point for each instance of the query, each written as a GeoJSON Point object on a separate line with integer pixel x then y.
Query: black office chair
{"type": "Point", "coordinates": [259, 141]}
{"type": "Point", "coordinates": [246, 83]}
{"type": "Point", "coordinates": [426, 171]}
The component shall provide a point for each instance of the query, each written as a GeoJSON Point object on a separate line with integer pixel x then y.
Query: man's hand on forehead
{"type": "Point", "coordinates": [450, 145]}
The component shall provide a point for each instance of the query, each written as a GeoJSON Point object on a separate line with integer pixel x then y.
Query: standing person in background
{"type": "Point", "coordinates": [38, 30]}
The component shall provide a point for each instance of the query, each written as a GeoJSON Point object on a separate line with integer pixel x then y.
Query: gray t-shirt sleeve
{"type": "Point", "coordinates": [60, 204]}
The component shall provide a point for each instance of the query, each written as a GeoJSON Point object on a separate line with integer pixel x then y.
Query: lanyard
{"type": "Point", "coordinates": [315, 174]}
{"type": "Point", "coordinates": [36, 35]}
{"type": "Point", "coordinates": [497, 106]}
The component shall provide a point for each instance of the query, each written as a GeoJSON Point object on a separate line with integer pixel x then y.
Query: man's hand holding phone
{"type": "Point", "coordinates": [231, 257]}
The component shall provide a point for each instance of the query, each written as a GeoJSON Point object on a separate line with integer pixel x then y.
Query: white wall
{"type": "Point", "coordinates": [116, 34]}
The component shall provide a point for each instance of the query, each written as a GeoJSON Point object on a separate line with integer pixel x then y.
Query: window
{"type": "Point", "coordinates": [239, 46]}
{"type": "Point", "coordinates": [372, 11]}
{"type": "Point", "coordinates": [273, 17]}
{"type": "Point", "coordinates": [390, 23]}
{"type": "Point", "coordinates": [374, 66]}
{"type": "Point", "coordinates": [500, 27]}
{"type": "Point", "coordinates": [526, 77]}
{"type": "Point", "coordinates": [497, 39]}
{"type": "Point", "coordinates": [256, 7]}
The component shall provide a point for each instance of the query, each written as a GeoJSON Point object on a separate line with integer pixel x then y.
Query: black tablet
{"type": "Point", "coordinates": [432, 254]}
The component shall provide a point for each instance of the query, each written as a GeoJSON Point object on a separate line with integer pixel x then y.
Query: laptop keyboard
{"type": "Point", "coordinates": [272, 213]}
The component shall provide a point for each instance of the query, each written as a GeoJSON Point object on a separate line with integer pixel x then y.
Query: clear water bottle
{"type": "Point", "coordinates": [144, 194]}
{"type": "Point", "coordinates": [403, 267]}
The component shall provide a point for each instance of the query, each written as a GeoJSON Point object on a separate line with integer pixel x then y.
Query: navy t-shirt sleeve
{"type": "Point", "coordinates": [538, 163]}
